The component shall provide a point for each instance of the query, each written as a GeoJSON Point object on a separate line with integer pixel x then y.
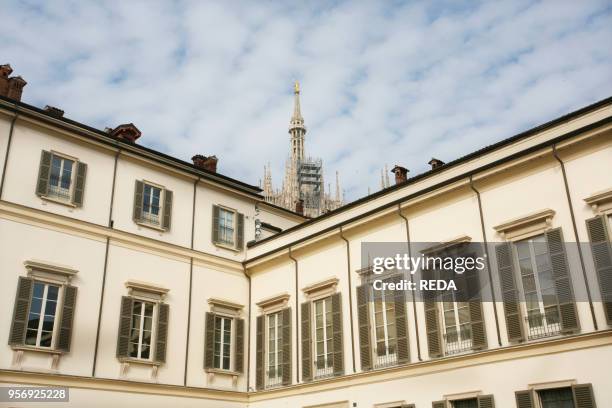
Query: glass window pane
{"type": "Point", "coordinates": [33, 320]}
{"type": "Point", "coordinates": [31, 337]}
{"type": "Point", "coordinates": [52, 292]}
{"type": "Point", "coordinates": [45, 339]}
{"type": "Point", "coordinates": [35, 305]}
{"type": "Point", "coordinates": [48, 323]}
{"type": "Point", "coordinates": [38, 290]}
{"type": "Point", "coordinates": [145, 351]}
{"type": "Point", "coordinates": [522, 249]}
{"type": "Point", "coordinates": [50, 308]}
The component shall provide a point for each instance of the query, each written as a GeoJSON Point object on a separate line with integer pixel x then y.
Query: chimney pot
{"type": "Point", "coordinates": [206, 163]}
{"type": "Point", "coordinates": [127, 132]}
{"type": "Point", "coordinates": [435, 163]}
{"type": "Point", "coordinates": [401, 174]}
{"type": "Point", "coordinates": [299, 206]}
{"type": "Point", "coordinates": [53, 111]}
{"type": "Point", "coordinates": [10, 87]}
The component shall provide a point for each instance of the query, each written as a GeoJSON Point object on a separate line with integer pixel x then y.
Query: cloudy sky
{"type": "Point", "coordinates": [382, 82]}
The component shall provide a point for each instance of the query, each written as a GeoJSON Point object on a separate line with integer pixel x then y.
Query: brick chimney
{"type": "Point", "coordinates": [435, 163]}
{"type": "Point", "coordinates": [10, 87]}
{"type": "Point", "coordinates": [53, 111]}
{"type": "Point", "coordinates": [126, 132]}
{"type": "Point", "coordinates": [299, 206]}
{"type": "Point", "coordinates": [401, 174]}
{"type": "Point", "coordinates": [206, 163]}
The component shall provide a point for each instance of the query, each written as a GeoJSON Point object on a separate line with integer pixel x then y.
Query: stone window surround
{"type": "Point", "coordinates": [600, 202]}
{"type": "Point", "coordinates": [526, 226]}
{"type": "Point", "coordinates": [224, 245]}
{"type": "Point", "coordinates": [274, 303]}
{"type": "Point", "coordinates": [67, 203]}
{"type": "Point", "coordinates": [162, 196]}
{"type": "Point", "coordinates": [321, 289]}
{"type": "Point", "coordinates": [49, 273]}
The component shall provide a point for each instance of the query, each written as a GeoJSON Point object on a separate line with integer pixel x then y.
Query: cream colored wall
{"type": "Point", "coordinates": [210, 283]}
{"type": "Point", "coordinates": [277, 217]}
{"type": "Point", "coordinates": [24, 161]}
{"type": "Point", "coordinates": [161, 270]}
{"type": "Point", "coordinates": [22, 242]}
{"type": "Point", "coordinates": [5, 126]}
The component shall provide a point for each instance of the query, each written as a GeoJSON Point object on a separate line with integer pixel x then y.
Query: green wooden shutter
{"type": "Point", "coordinates": [401, 326]}
{"type": "Point", "coordinates": [286, 345]}
{"type": "Point", "coordinates": [438, 404]}
{"type": "Point", "coordinates": [602, 258]}
{"type": "Point", "coordinates": [215, 224]}
{"type": "Point", "coordinates": [44, 171]}
{"type": "Point", "coordinates": [363, 316]}
{"type": "Point", "coordinates": [524, 399]}
{"type": "Point", "coordinates": [432, 324]}
{"type": "Point", "coordinates": [239, 231]}
{"type": "Point", "coordinates": [486, 401]}
{"type": "Point", "coordinates": [161, 339]}
{"type": "Point", "coordinates": [563, 282]}
{"type": "Point", "coordinates": [583, 396]}
{"type": "Point", "coordinates": [337, 339]}
{"type": "Point", "coordinates": [65, 331]}
{"type": "Point", "coordinates": [21, 310]}
{"type": "Point", "coordinates": [239, 348]}
{"type": "Point", "coordinates": [209, 340]}
{"type": "Point", "coordinates": [79, 185]}
{"type": "Point", "coordinates": [259, 353]}
{"type": "Point", "coordinates": [505, 268]}
{"type": "Point", "coordinates": [306, 341]}
{"type": "Point", "coordinates": [138, 193]}
{"type": "Point", "coordinates": [167, 221]}
{"type": "Point", "coordinates": [125, 324]}
{"type": "Point", "coordinates": [479, 334]}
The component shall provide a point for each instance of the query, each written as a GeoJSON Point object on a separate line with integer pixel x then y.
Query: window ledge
{"type": "Point", "coordinates": [227, 246]}
{"type": "Point", "coordinates": [526, 226]}
{"type": "Point", "coordinates": [221, 371]}
{"type": "Point", "coordinates": [37, 349]}
{"type": "Point", "coordinates": [129, 360]}
{"type": "Point", "coordinates": [58, 201]}
{"type": "Point", "coordinates": [151, 226]}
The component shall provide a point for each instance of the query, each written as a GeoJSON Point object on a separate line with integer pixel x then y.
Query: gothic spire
{"type": "Point", "coordinates": [297, 121]}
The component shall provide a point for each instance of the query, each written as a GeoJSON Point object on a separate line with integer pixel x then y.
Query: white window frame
{"type": "Point", "coordinates": [277, 379]}
{"type": "Point", "coordinates": [545, 327]}
{"type": "Point", "coordinates": [460, 344]}
{"type": "Point", "coordinates": [55, 196]}
{"type": "Point", "coordinates": [141, 329]}
{"type": "Point", "coordinates": [328, 365]}
{"type": "Point", "coordinates": [387, 358]}
{"type": "Point", "coordinates": [146, 217]}
{"type": "Point", "coordinates": [234, 213]}
{"type": "Point", "coordinates": [56, 319]}
{"type": "Point", "coordinates": [221, 343]}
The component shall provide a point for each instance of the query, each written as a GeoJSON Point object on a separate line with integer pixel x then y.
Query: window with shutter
{"type": "Point", "coordinates": [323, 337]}
{"type": "Point", "coordinates": [601, 248]}
{"type": "Point", "coordinates": [260, 352]}
{"type": "Point", "coordinates": [306, 333]}
{"type": "Point", "coordinates": [505, 268]}
{"type": "Point", "coordinates": [363, 315]}
{"type": "Point", "coordinates": [61, 178]}
{"type": "Point", "coordinates": [20, 311]}
{"type": "Point", "coordinates": [273, 352]}
{"type": "Point", "coordinates": [383, 315]}
{"type": "Point", "coordinates": [239, 346]}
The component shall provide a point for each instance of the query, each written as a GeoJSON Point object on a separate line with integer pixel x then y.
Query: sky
{"type": "Point", "coordinates": [382, 82]}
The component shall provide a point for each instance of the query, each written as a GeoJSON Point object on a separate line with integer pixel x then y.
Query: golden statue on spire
{"type": "Point", "coordinates": [297, 87]}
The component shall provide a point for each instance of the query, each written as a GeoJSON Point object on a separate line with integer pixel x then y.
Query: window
{"type": "Point", "coordinates": [41, 318]}
{"type": "Point", "coordinates": [538, 287]}
{"type": "Point", "coordinates": [556, 398]}
{"type": "Point", "coordinates": [323, 337]}
{"type": "Point", "coordinates": [151, 204]}
{"type": "Point", "coordinates": [142, 330]}
{"type": "Point", "coordinates": [223, 336]}
{"type": "Point", "coordinates": [60, 179]}
{"type": "Point", "coordinates": [383, 310]}
{"type": "Point", "coordinates": [465, 403]}
{"type": "Point", "coordinates": [457, 324]}
{"type": "Point", "coordinates": [274, 373]}
{"type": "Point", "coordinates": [226, 226]}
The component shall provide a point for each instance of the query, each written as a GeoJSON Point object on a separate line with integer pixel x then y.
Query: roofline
{"type": "Point", "coordinates": [460, 160]}
{"type": "Point", "coordinates": [102, 136]}
{"type": "Point", "coordinates": [285, 210]}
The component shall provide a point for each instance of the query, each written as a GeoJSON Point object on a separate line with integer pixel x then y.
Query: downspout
{"type": "Point", "coordinates": [112, 200]}
{"type": "Point", "coordinates": [195, 183]}
{"type": "Point", "coordinates": [8, 148]}
{"type": "Point", "coordinates": [297, 339]}
{"type": "Point", "coordinates": [414, 309]}
{"type": "Point", "coordinates": [350, 294]}
{"type": "Point", "coordinates": [95, 356]}
{"type": "Point", "coordinates": [248, 371]}
{"type": "Point", "coordinates": [571, 208]}
{"type": "Point", "coordinates": [486, 248]}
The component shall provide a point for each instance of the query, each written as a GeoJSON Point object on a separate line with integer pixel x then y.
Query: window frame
{"type": "Point", "coordinates": [271, 382]}
{"type": "Point", "coordinates": [56, 317]}
{"type": "Point", "coordinates": [388, 358]}
{"type": "Point", "coordinates": [231, 343]}
{"type": "Point", "coordinates": [328, 336]}
{"type": "Point", "coordinates": [460, 345]}
{"type": "Point", "coordinates": [153, 340]}
{"type": "Point", "coordinates": [145, 220]}
{"type": "Point", "coordinates": [544, 390]}
{"type": "Point", "coordinates": [234, 213]}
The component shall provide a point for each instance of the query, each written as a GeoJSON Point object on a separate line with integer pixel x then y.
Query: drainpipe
{"type": "Point", "coordinates": [8, 148]}
{"type": "Point", "coordinates": [297, 339]}
{"type": "Point", "coordinates": [414, 310]}
{"type": "Point", "coordinates": [112, 200]}
{"type": "Point", "coordinates": [248, 371]}
{"type": "Point", "coordinates": [350, 294]}
{"type": "Point", "coordinates": [486, 248]}
{"type": "Point", "coordinates": [571, 208]}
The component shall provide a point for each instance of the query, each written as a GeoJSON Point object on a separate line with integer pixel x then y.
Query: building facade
{"type": "Point", "coordinates": [135, 279]}
{"type": "Point", "coordinates": [303, 187]}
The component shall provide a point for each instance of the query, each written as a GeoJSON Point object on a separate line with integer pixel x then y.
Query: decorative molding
{"type": "Point", "coordinates": [144, 288]}
{"type": "Point", "coordinates": [526, 226]}
{"type": "Point", "coordinates": [325, 287]}
{"type": "Point", "coordinates": [274, 302]}
{"type": "Point", "coordinates": [600, 202]}
{"type": "Point", "coordinates": [223, 306]}
{"type": "Point", "coordinates": [462, 395]}
{"type": "Point", "coordinates": [461, 239]}
{"type": "Point", "coordinates": [212, 372]}
{"type": "Point", "coordinates": [552, 384]}
{"type": "Point", "coordinates": [47, 270]}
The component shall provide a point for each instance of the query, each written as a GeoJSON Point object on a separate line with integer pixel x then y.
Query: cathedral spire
{"type": "Point", "coordinates": [297, 121]}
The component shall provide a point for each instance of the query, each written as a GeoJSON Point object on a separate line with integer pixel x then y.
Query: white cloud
{"type": "Point", "coordinates": [381, 83]}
